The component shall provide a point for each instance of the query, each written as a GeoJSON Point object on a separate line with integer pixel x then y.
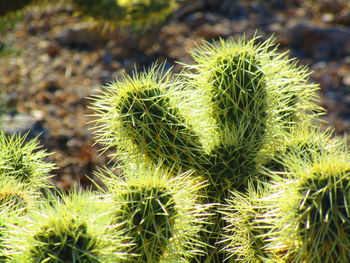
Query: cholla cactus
{"type": "Point", "coordinates": [256, 99]}
{"type": "Point", "coordinates": [244, 237]}
{"type": "Point", "coordinates": [24, 161]}
{"type": "Point", "coordinates": [162, 216]}
{"type": "Point", "coordinates": [8, 218]}
{"type": "Point", "coordinates": [15, 201]}
{"type": "Point", "coordinates": [310, 221]}
{"type": "Point", "coordinates": [76, 229]}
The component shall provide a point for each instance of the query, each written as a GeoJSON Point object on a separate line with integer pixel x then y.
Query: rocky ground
{"type": "Point", "coordinates": [57, 61]}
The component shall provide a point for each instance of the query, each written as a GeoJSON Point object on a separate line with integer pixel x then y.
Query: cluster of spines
{"type": "Point", "coordinates": [24, 161]}
{"type": "Point", "coordinates": [244, 236]}
{"type": "Point", "coordinates": [23, 173]}
{"type": "Point", "coordinates": [142, 122]}
{"type": "Point", "coordinates": [160, 216]}
{"type": "Point", "coordinates": [307, 145]}
{"type": "Point", "coordinates": [308, 210]}
{"type": "Point", "coordinates": [75, 228]}
{"type": "Point", "coordinates": [258, 97]}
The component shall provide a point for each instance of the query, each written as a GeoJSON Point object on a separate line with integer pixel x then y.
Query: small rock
{"type": "Point", "coordinates": [195, 20]}
{"type": "Point", "coordinates": [234, 10]}
{"type": "Point", "coordinates": [81, 37]}
{"type": "Point", "coordinates": [346, 80]}
{"type": "Point", "coordinates": [51, 86]}
{"type": "Point", "coordinates": [52, 50]}
{"type": "Point", "coordinates": [107, 58]}
{"type": "Point", "coordinates": [320, 43]}
{"type": "Point", "coordinates": [212, 31]}
{"type": "Point", "coordinates": [279, 4]}
{"type": "Point", "coordinates": [22, 124]}
{"type": "Point", "coordinates": [201, 18]}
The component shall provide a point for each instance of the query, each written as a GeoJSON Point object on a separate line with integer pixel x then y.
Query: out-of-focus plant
{"type": "Point", "coordinates": [139, 14]}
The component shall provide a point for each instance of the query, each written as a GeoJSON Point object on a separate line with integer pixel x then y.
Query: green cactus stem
{"type": "Point", "coordinates": [311, 212]}
{"type": "Point", "coordinates": [75, 229]}
{"type": "Point", "coordinates": [149, 213]}
{"type": "Point", "coordinates": [161, 215]}
{"type": "Point", "coordinates": [137, 116]}
{"type": "Point", "coordinates": [243, 234]}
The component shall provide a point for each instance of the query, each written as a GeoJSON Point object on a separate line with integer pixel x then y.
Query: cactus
{"type": "Point", "coordinates": [15, 202]}
{"type": "Point", "coordinates": [256, 99]}
{"type": "Point", "coordinates": [24, 161]}
{"type": "Point", "coordinates": [223, 163]}
{"type": "Point", "coordinates": [311, 218]}
{"type": "Point", "coordinates": [8, 217]}
{"type": "Point", "coordinates": [160, 215]}
{"type": "Point", "coordinates": [249, 101]}
{"type": "Point", "coordinates": [137, 116]}
{"type": "Point", "coordinates": [15, 196]}
{"type": "Point", "coordinates": [244, 238]}
{"type": "Point", "coordinates": [307, 144]}
{"type": "Point", "coordinates": [76, 229]}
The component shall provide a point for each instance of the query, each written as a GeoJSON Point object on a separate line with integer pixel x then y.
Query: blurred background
{"type": "Point", "coordinates": [53, 57]}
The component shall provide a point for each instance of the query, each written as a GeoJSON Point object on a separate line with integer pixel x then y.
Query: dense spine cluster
{"type": "Point", "coordinates": [160, 216]}
{"type": "Point", "coordinates": [77, 228]}
{"type": "Point", "coordinates": [311, 211]}
{"type": "Point", "coordinates": [23, 161]}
